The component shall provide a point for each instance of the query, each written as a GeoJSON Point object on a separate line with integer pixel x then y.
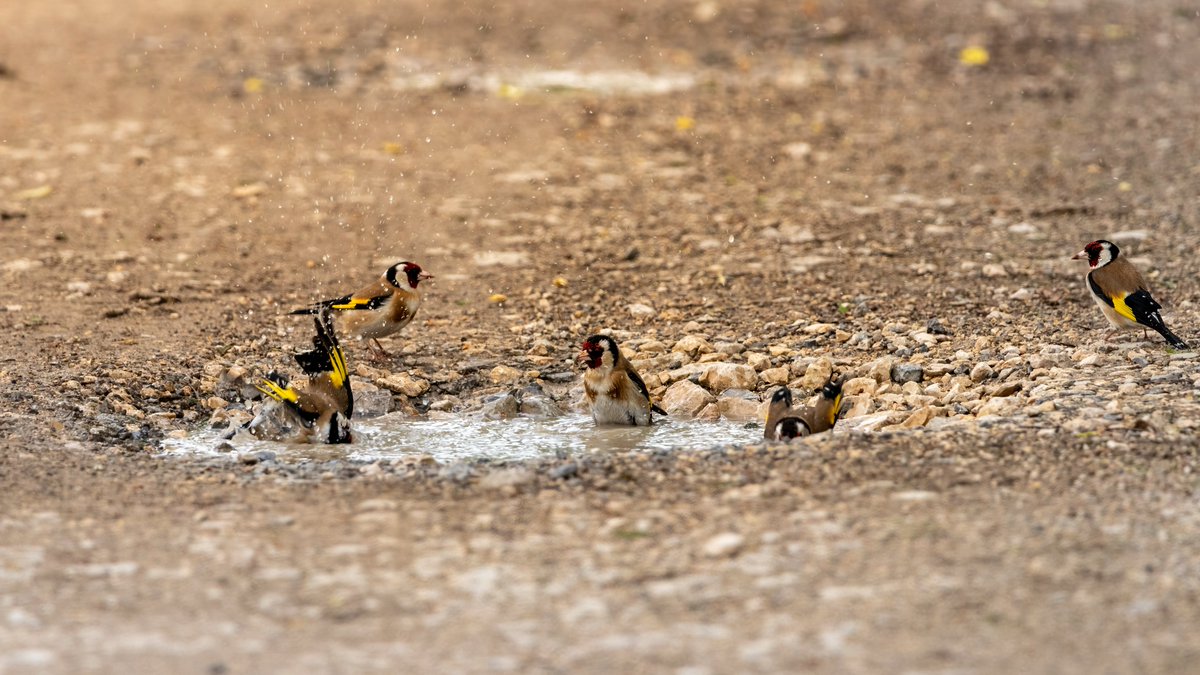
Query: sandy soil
{"type": "Point", "coordinates": [174, 175]}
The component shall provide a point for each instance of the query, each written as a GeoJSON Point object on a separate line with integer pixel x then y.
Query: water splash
{"type": "Point", "coordinates": [466, 438]}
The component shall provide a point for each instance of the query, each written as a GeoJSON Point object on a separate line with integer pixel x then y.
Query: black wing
{"type": "Point", "coordinates": [641, 387]}
{"type": "Point", "coordinates": [346, 302]}
{"type": "Point", "coordinates": [1145, 312]}
{"type": "Point", "coordinates": [1144, 308]}
{"type": "Point", "coordinates": [1097, 291]}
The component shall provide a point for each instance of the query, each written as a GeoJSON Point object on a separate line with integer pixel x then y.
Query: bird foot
{"type": "Point", "coordinates": [378, 353]}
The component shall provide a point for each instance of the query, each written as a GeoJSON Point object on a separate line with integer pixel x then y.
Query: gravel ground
{"type": "Point", "coordinates": [746, 196]}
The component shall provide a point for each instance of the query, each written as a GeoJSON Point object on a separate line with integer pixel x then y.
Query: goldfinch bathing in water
{"type": "Point", "coordinates": [1121, 292]}
{"type": "Point", "coordinates": [614, 390]}
{"type": "Point", "coordinates": [318, 411]}
{"type": "Point", "coordinates": [380, 309]}
{"type": "Point", "coordinates": [785, 422]}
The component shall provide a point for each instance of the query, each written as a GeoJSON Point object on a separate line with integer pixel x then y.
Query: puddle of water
{"type": "Point", "coordinates": [472, 438]}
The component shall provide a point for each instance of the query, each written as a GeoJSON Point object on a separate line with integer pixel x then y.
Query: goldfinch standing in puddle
{"type": "Point", "coordinates": [319, 410]}
{"type": "Point", "coordinates": [1121, 291]}
{"type": "Point", "coordinates": [615, 392]}
{"type": "Point", "coordinates": [785, 422]}
{"type": "Point", "coordinates": [381, 309]}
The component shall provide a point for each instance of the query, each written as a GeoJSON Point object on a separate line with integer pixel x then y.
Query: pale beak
{"type": "Point", "coordinates": [1082, 255]}
{"type": "Point", "coordinates": [424, 275]}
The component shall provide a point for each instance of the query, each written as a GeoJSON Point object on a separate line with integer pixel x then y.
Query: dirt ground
{"type": "Point", "coordinates": [174, 175]}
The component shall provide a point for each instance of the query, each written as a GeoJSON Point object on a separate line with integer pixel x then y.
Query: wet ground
{"type": "Point", "coordinates": [873, 185]}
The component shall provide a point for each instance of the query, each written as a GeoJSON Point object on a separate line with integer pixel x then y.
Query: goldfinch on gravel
{"type": "Point", "coordinates": [380, 309]}
{"type": "Point", "coordinates": [319, 410]}
{"type": "Point", "coordinates": [785, 422]}
{"type": "Point", "coordinates": [615, 392]}
{"type": "Point", "coordinates": [1121, 292]}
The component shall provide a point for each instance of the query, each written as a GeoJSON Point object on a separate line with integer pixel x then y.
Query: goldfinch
{"type": "Point", "coordinates": [318, 411]}
{"type": "Point", "coordinates": [615, 392]}
{"type": "Point", "coordinates": [380, 309]}
{"type": "Point", "coordinates": [781, 425]}
{"type": "Point", "coordinates": [1121, 291]}
{"type": "Point", "coordinates": [785, 422]}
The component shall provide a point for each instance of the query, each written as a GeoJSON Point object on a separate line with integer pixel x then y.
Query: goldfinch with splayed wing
{"type": "Point", "coordinates": [318, 411]}
{"type": "Point", "coordinates": [380, 309]}
{"type": "Point", "coordinates": [1121, 292]}
{"type": "Point", "coordinates": [615, 392]}
{"type": "Point", "coordinates": [785, 422]}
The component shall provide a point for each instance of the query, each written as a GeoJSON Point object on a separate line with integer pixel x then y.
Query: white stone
{"type": "Point", "coordinates": [685, 398]}
{"type": "Point", "coordinates": [778, 375]}
{"type": "Point", "coordinates": [998, 406]}
{"type": "Point", "coordinates": [719, 376]}
{"type": "Point", "coordinates": [817, 374]}
{"type": "Point", "coordinates": [737, 409]}
{"type": "Point", "coordinates": [640, 311]}
{"type": "Point", "coordinates": [692, 345]}
{"type": "Point", "coordinates": [758, 361]}
{"type": "Point", "coordinates": [403, 383]}
{"type": "Point", "coordinates": [723, 545]}
{"type": "Point", "coordinates": [503, 374]}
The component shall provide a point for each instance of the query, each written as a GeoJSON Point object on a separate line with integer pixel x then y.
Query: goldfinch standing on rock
{"type": "Point", "coordinates": [319, 411]}
{"type": "Point", "coordinates": [614, 390]}
{"type": "Point", "coordinates": [785, 422]}
{"type": "Point", "coordinates": [1121, 292]}
{"type": "Point", "coordinates": [380, 309]}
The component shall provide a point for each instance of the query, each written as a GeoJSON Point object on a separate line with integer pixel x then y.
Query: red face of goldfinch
{"type": "Point", "coordinates": [408, 272]}
{"type": "Point", "coordinates": [598, 351]}
{"type": "Point", "coordinates": [1098, 253]}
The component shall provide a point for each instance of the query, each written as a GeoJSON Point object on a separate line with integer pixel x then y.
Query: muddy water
{"type": "Point", "coordinates": [469, 437]}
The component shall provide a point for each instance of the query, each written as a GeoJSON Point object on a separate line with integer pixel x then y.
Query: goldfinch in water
{"type": "Point", "coordinates": [319, 410]}
{"type": "Point", "coordinates": [615, 392]}
{"type": "Point", "coordinates": [781, 424]}
{"type": "Point", "coordinates": [785, 422]}
{"type": "Point", "coordinates": [1121, 291]}
{"type": "Point", "coordinates": [380, 309]}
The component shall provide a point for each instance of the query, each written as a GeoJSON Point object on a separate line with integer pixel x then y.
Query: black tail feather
{"type": "Point", "coordinates": [304, 310]}
{"type": "Point", "coordinates": [655, 408]}
{"type": "Point", "coordinates": [1172, 339]}
{"type": "Point", "coordinates": [1155, 321]}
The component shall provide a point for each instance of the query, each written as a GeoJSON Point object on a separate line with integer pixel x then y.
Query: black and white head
{"type": "Point", "coordinates": [1098, 253]}
{"type": "Point", "coordinates": [790, 427]}
{"type": "Point", "coordinates": [406, 275]}
{"type": "Point", "coordinates": [599, 351]}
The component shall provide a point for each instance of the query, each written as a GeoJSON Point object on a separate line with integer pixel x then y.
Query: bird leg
{"type": "Point", "coordinates": [378, 352]}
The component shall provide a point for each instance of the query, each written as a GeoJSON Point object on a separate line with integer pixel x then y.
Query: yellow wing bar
{"type": "Point", "coordinates": [277, 392]}
{"type": "Point", "coordinates": [835, 409]}
{"type": "Point", "coordinates": [352, 303]}
{"type": "Point", "coordinates": [339, 374]}
{"type": "Point", "coordinates": [1118, 303]}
